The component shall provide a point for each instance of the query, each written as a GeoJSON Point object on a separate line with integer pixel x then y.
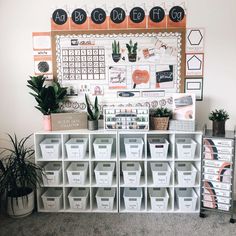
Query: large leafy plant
{"type": "Point", "coordinates": [219, 115]}
{"type": "Point", "coordinates": [93, 111]}
{"type": "Point", "coordinates": [162, 112]}
{"type": "Point", "coordinates": [18, 174]}
{"type": "Point", "coordinates": [48, 97]}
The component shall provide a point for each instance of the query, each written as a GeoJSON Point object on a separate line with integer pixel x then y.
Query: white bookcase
{"type": "Point", "coordinates": [118, 157]}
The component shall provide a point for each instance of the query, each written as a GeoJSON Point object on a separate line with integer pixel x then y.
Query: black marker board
{"type": "Point", "coordinates": [165, 76]}
{"type": "Point", "coordinates": [137, 14]}
{"type": "Point", "coordinates": [117, 15]}
{"type": "Point", "coordinates": [98, 15]}
{"type": "Point", "coordinates": [79, 16]}
{"type": "Point", "coordinates": [59, 16]}
{"type": "Point", "coordinates": [176, 14]}
{"type": "Point", "coordinates": [157, 14]}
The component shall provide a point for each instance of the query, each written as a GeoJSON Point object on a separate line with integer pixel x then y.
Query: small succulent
{"type": "Point", "coordinates": [219, 115]}
{"type": "Point", "coordinates": [162, 112]}
{"type": "Point", "coordinates": [93, 111]}
{"type": "Point", "coordinates": [115, 47]}
{"type": "Point", "coordinates": [132, 48]}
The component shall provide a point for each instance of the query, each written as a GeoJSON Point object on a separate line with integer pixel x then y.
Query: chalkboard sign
{"type": "Point", "coordinates": [137, 14]}
{"type": "Point", "coordinates": [59, 16]}
{"type": "Point", "coordinates": [117, 15]}
{"type": "Point", "coordinates": [79, 16]}
{"type": "Point", "coordinates": [157, 14]}
{"type": "Point", "coordinates": [98, 15]}
{"type": "Point", "coordinates": [165, 76]}
{"type": "Point", "coordinates": [176, 14]}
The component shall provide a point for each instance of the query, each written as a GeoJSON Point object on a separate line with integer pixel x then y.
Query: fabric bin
{"type": "Point", "coordinates": [52, 199]}
{"type": "Point", "coordinates": [104, 173]}
{"type": "Point", "coordinates": [186, 199]}
{"type": "Point", "coordinates": [76, 148]}
{"type": "Point", "coordinates": [51, 148]}
{"type": "Point", "coordinates": [105, 199]}
{"type": "Point", "coordinates": [131, 173]}
{"type": "Point", "coordinates": [103, 148]}
{"type": "Point", "coordinates": [158, 148]}
{"type": "Point", "coordinates": [159, 198]}
{"type": "Point", "coordinates": [78, 198]}
{"type": "Point", "coordinates": [133, 198]}
{"type": "Point", "coordinates": [186, 148]}
{"type": "Point", "coordinates": [161, 173]}
{"type": "Point", "coordinates": [186, 174]}
{"type": "Point", "coordinates": [133, 147]}
{"type": "Point", "coordinates": [52, 174]}
{"type": "Point", "coordinates": [77, 173]}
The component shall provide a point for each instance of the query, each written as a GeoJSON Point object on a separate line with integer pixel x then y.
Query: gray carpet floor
{"type": "Point", "coordinates": [52, 224]}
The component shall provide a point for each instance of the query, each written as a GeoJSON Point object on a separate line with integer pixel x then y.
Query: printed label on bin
{"type": "Point", "coordinates": [50, 179]}
{"type": "Point", "coordinates": [51, 204]}
{"type": "Point", "coordinates": [132, 178]}
{"type": "Point", "coordinates": [159, 203]}
{"type": "Point", "coordinates": [162, 178]}
{"type": "Point", "coordinates": [78, 203]}
{"type": "Point", "coordinates": [187, 178]}
{"type": "Point", "coordinates": [105, 203]}
{"type": "Point", "coordinates": [103, 178]}
{"type": "Point", "coordinates": [133, 204]}
{"type": "Point", "coordinates": [76, 178]}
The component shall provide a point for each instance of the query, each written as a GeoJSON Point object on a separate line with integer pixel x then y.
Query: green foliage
{"type": "Point", "coordinates": [162, 112]}
{"type": "Point", "coordinates": [132, 48]}
{"type": "Point", "coordinates": [18, 173]}
{"type": "Point", "coordinates": [219, 115]}
{"type": "Point", "coordinates": [93, 112]}
{"type": "Point", "coordinates": [116, 47]}
{"type": "Point", "coordinates": [48, 97]}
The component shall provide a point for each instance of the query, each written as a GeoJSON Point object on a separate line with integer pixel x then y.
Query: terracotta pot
{"type": "Point", "coordinates": [92, 124]}
{"type": "Point", "coordinates": [218, 127]}
{"type": "Point", "coordinates": [47, 124]}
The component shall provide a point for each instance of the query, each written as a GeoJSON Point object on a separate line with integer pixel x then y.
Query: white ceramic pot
{"type": "Point", "coordinates": [20, 207]}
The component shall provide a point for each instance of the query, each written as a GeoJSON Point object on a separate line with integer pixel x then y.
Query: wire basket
{"type": "Point", "coordinates": [159, 123]}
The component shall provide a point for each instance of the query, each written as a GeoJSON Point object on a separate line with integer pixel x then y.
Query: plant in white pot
{"type": "Point", "coordinates": [48, 96]}
{"type": "Point", "coordinates": [19, 177]}
{"type": "Point", "coordinates": [93, 113]}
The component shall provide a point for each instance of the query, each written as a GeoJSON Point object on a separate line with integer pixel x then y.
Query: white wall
{"type": "Point", "coordinates": [18, 19]}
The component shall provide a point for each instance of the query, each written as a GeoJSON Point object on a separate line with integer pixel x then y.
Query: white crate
{"type": "Point", "coordinates": [161, 173]}
{"type": "Point", "coordinates": [186, 174]}
{"type": "Point", "coordinates": [186, 199]}
{"type": "Point", "coordinates": [131, 173]}
{"type": "Point", "coordinates": [78, 198]}
{"type": "Point", "coordinates": [158, 148]}
{"type": "Point", "coordinates": [159, 199]}
{"type": "Point", "coordinates": [102, 148]}
{"type": "Point", "coordinates": [105, 199]}
{"type": "Point", "coordinates": [133, 147]}
{"type": "Point", "coordinates": [186, 148]}
{"type": "Point", "coordinates": [76, 148]}
{"type": "Point", "coordinates": [51, 148]}
{"type": "Point", "coordinates": [52, 173]}
{"type": "Point", "coordinates": [52, 199]}
{"type": "Point", "coordinates": [104, 173]}
{"type": "Point", "coordinates": [77, 173]}
{"type": "Point", "coordinates": [133, 198]}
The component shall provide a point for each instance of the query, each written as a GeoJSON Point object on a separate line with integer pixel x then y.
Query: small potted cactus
{"type": "Point", "coordinates": [218, 118]}
{"type": "Point", "coordinates": [116, 55]}
{"type": "Point", "coordinates": [132, 51]}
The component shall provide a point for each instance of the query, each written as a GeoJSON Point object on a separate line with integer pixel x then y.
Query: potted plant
{"type": "Point", "coordinates": [132, 51]}
{"type": "Point", "coordinates": [48, 96]}
{"type": "Point", "coordinates": [19, 177]}
{"type": "Point", "coordinates": [218, 117]}
{"type": "Point", "coordinates": [116, 55]}
{"type": "Point", "coordinates": [93, 113]}
{"type": "Point", "coordinates": [160, 118]}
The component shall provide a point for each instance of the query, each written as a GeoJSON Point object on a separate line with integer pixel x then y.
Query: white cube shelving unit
{"type": "Point", "coordinates": [118, 156]}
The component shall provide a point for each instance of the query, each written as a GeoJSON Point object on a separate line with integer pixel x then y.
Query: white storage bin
{"type": "Point", "coordinates": [133, 147]}
{"type": "Point", "coordinates": [158, 148]}
{"type": "Point", "coordinates": [77, 173]}
{"type": "Point", "coordinates": [186, 199]}
{"type": "Point", "coordinates": [104, 173]}
{"type": "Point", "coordinates": [161, 173]}
{"type": "Point", "coordinates": [133, 198]}
{"type": "Point", "coordinates": [52, 174]}
{"type": "Point", "coordinates": [131, 173]}
{"type": "Point", "coordinates": [159, 198]}
{"type": "Point", "coordinates": [186, 148]}
{"type": "Point", "coordinates": [76, 148]}
{"type": "Point", "coordinates": [51, 148]}
{"type": "Point", "coordinates": [102, 148]}
{"type": "Point", "coordinates": [52, 199]}
{"type": "Point", "coordinates": [186, 174]}
{"type": "Point", "coordinates": [105, 199]}
{"type": "Point", "coordinates": [78, 198]}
